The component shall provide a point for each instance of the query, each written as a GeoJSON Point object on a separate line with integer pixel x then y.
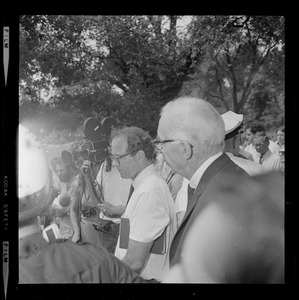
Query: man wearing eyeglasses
{"type": "Point", "coordinates": [268, 160]}
{"type": "Point", "coordinates": [149, 213]}
{"type": "Point", "coordinates": [191, 138]}
{"type": "Point", "coordinates": [233, 126]}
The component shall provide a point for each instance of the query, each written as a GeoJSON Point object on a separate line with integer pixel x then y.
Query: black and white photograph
{"type": "Point", "coordinates": [145, 154]}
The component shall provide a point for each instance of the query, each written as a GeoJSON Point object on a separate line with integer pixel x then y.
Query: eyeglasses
{"type": "Point", "coordinates": [159, 144]}
{"type": "Point", "coordinates": [117, 158]}
{"type": "Point", "coordinates": [259, 145]}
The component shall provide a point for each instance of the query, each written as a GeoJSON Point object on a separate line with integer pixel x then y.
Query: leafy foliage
{"type": "Point", "coordinates": [242, 55]}
{"type": "Point", "coordinates": [127, 67]}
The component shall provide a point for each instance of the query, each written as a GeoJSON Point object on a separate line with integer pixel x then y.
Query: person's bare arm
{"type": "Point", "coordinates": [137, 254]}
{"type": "Point", "coordinates": [75, 214]}
{"type": "Point", "coordinates": [85, 168]}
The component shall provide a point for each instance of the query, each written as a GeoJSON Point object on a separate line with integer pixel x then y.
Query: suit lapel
{"type": "Point", "coordinates": [213, 169]}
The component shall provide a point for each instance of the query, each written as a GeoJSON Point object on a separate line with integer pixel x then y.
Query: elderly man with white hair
{"type": "Point", "coordinates": [191, 138]}
{"type": "Point", "coordinates": [233, 125]}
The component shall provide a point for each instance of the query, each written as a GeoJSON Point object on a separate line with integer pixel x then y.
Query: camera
{"type": "Point", "coordinates": [96, 149]}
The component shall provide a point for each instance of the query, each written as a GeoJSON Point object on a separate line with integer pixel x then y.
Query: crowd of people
{"type": "Point", "coordinates": [202, 202]}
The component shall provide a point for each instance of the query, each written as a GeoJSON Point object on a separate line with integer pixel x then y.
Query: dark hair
{"type": "Point", "coordinates": [257, 128]}
{"type": "Point", "coordinates": [254, 127]}
{"type": "Point", "coordinates": [59, 161]}
{"type": "Point", "coordinates": [137, 139]}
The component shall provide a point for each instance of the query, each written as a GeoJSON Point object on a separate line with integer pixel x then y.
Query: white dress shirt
{"type": "Point", "coordinates": [270, 162]}
{"type": "Point", "coordinates": [199, 172]}
{"type": "Point", "coordinates": [182, 195]}
{"type": "Point", "coordinates": [114, 189]}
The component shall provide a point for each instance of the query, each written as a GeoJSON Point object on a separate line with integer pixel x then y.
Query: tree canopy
{"type": "Point", "coordinates": [127, 67]}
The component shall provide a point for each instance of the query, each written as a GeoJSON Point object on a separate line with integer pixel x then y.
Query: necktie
{"type": "Point", "coordinates": [261, 159]}
{"type": "Point", "coordinates": [190, 193]}
{"type": "Point", "coordinates": [130, 193]}
{"type": "Point", "coordinates": [169, 177]}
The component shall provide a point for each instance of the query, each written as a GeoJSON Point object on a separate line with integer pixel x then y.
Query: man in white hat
{"type": "Point", "coordinates": [233, 126]}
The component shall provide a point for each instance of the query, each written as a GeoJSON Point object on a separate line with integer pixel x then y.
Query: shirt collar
{"type": "Point", "coordinates": [198, 174]}
{"type": "Point", "coordinates": [266, 154]}
{"type": "Point", "coordinates": [143, 174]}
{"type": "Point", "coordinates": [229, 154]}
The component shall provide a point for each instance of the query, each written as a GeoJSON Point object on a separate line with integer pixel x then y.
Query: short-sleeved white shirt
{"type": "Point", "coordinates": [150, 210]}
{"type": "Point", "coordinates": [114, 188]}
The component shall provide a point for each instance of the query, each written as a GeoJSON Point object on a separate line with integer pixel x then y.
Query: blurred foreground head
{"type": "Point", "coordinates": [239, 236]}
{"type": "Point", "coordinates": [34, 180]}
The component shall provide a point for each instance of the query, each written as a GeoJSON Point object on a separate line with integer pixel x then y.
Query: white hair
{"type": "Point", "coordinates": [196, 121]}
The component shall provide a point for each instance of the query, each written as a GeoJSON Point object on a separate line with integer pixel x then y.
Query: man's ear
{"type": "Point", "coordinates": [140, 155]}
{"type": "Point", "coordinates": [186, 149]}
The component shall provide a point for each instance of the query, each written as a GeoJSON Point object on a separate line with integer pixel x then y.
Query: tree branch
{"type": "Point", "coordinates": [118, 84]}
{"type": "Point", "coordinates": [234, 81]}
{"type": "Point", "coordinates": [263, 57]}
{"type": "Point", "coordinates": [173, 21]}
{"type": "Point", "coordinates": [247, 88]}
{"type": "Point", "coordinates": [172, 31]}
{"type": "Point", "coordinates": [212, 95]}
{"type": "Point", "coordinates": [55, 38]}
{"type": "Point", "coordinates": [219, 85]}
{"type": "Point", "coordinates": [156, 23]}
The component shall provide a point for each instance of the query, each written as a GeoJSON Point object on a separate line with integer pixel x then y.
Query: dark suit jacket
{"type": "Point", "coordinates": [220, 168]}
